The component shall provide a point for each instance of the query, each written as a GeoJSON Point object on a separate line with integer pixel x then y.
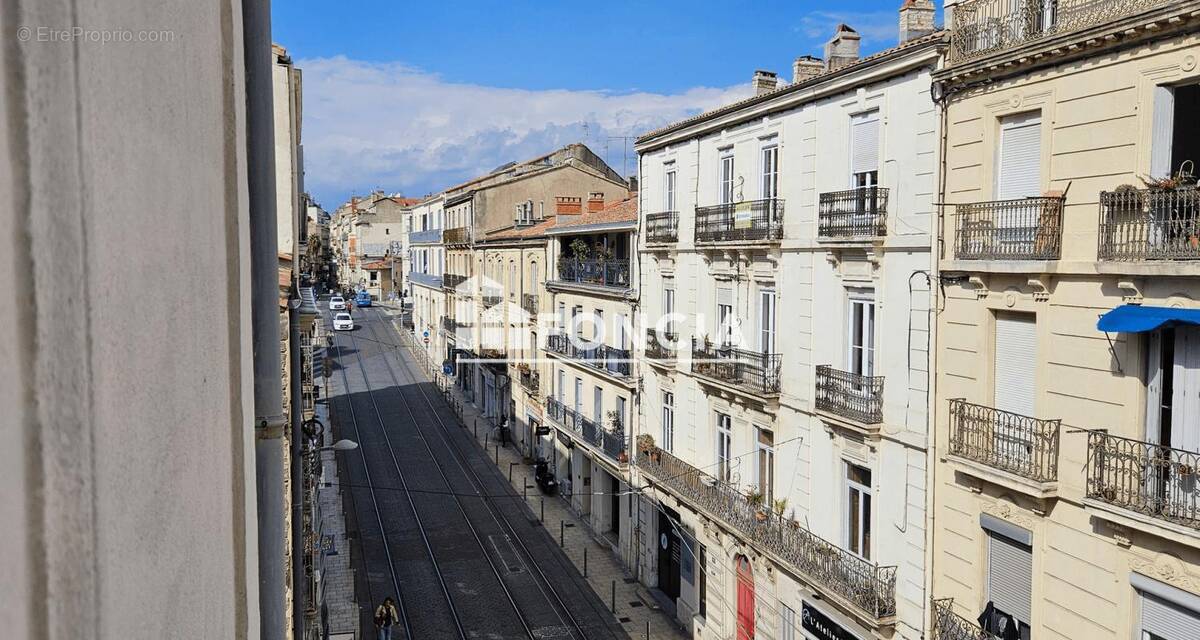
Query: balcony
{"type": "Point", "coordinates": [425, 279]}
{"type": "Point", "coordinates": [1015, 444]}
{"type": "Point", "coordinates": [1149, 224]}
{"type": "Point", "coordinates": [531, 381]}
{"type": "Point", "coordinates": [429, 236]}
{"type": "Point", "coordinates": [457, 236]}
{"type": "Point", "coordinates": [608, 359]}
{"type": "Point", "coordinates": [856, 213]}
{"type": "Point", "coordinates": [450, 281]}
{"type": "Point", "coordinates": [604, 273]}
{"type": "Point", "coordinates": [749, 221]}
{"type": "Point", "coordinates": [661, 347]}
{"type": "Point", "coordinates": [609, 442]}
{"type": "Point", "coordinates": [839, 574]}
{"type": "Point", "coordinates": [449, 325]}
{"type": "Point", "coordinates": [1024, 229]}
{"type": "Point", "coordinates": [490, 300]}
{"type": "Point", "coordinates": [948, 625]}
{"type": "Point", "coordinates": [662, 227]}
{"type": "Point", "coordinates": [757, 373]}
{"type": "Point", "coordinates": [852, 396]}
{"type": "Point", "coordinates": [529, 302]}
{"type": "Point", "coordinates": [985, 27]}
{"type": "Point", "coordinates": [1149, 479]}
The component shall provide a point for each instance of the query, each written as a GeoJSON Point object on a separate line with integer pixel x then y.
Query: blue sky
{"type": "Point", "coordinates": [414, 96]}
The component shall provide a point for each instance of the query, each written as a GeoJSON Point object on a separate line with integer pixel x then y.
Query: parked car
{"type": "Point", "coordinates": [336, 303]}
{"type": "Point", "coordinates": [343, 322]}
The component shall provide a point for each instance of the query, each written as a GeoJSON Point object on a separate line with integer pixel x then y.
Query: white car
{"type": "Point", "coordinates": [336, 303]}
{"type": "Point", "coordinates": [343, 322]}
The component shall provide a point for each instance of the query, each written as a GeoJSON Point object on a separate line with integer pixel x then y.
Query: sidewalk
{"type": "Point", "coordinates": [634, 605]}
{"type": "Point", "coordinates": [339, 608]}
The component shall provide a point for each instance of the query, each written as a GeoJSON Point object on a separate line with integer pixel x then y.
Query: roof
{"type": "Point", "coordinates": [936, 37]}
{"type": "Point", "coordinates": [378, 265]}
{"type": "Point", "coordinates": [522, 233]}
{"type": "Point", "coordinates": [616, 214]}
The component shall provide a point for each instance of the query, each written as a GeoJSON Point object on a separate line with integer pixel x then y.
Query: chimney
{"type": "Point", "coordinates": [842, 48]}
{"type": "Point", "coordinates": [568, 205]}
{"type": "Point", "coordinates": [916, 19]}
{"type": "Point", "coordinates": [806, 67]}
{"type": "Point", "coordinates": [633, 184]}
{"type": "Point", "coordinates": [764, 82]}
{"type": "Point", "coordinates": [595, 201]}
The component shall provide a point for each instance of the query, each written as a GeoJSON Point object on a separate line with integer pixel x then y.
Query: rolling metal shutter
{"type": "Point", "coordinates": [1010, 576]}
{"type": "Point", "coordinates": [1168, 620]}
{"type": "Point", "coordinates": [864, 142]}
{"type": "Point", "coordinates": [1019, 171]}
{"type": "Point", "coordinates": [1015, 363]}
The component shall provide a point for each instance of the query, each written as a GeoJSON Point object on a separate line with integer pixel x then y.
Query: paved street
{"type": "Point", "coordinates": [433, 521]}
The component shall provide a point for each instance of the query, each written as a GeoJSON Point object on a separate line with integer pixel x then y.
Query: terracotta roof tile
{"type": "Point", "coordinates": [519, 233]}
{"type": "Point", "coordinates": [625, 210]}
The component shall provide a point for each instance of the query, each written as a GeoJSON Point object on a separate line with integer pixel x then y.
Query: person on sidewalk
{"type": "Point", "coordinates": [385, 617]}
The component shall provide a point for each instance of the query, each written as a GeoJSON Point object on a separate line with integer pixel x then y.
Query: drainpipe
{"type": "Point", "coordinates": [269, 417]}
{"type": "Point", "coordinates": [300, 581]}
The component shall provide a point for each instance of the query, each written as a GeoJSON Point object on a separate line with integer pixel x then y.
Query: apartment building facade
{"type": "Point", "coordinates": [1066, 505]}
{"type": "Point", "coordinates": [786, 277]}
{"type": "Point", "coordinates": [426, 268]}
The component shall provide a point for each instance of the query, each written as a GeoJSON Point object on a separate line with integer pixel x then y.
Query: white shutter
{"type": "Point", "coordinates": [1019, 171]}
{"type": "Point", "coordinates": [1154, 380]}
{"type": "Point", "coordinates": [1015, 364]}
{"type": "Point", "coordinates": [1185, 403]}
{"type": "Point", "coordinates": [725, 296]}
{"type": "Point", "coordinates": [1010, 576]}
{"type": "Point", "coordinates": [864, 142]}
{"type": "Point", "coordinates": [1168, 620]}
{"type": "Point", "coordinates": [1162, 132]}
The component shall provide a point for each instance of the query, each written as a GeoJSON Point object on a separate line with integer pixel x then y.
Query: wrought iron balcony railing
{"type": "Point", "coordinates": [1151, 479]}
{"type": "Point", "coordinates": [531, 381]}
{"type": "Point", "coordinates": [529, 302]}
{"type": "Point", "coordinates": [1149, 224]}
{"type": "Point", "coordinates": [1024, 229]}
{"type": "Point", "coordinates": [750, 370]}
{"type": "Point", "coordinates": [491, 300]}
{"type": "Point", "coordinates": [611, 442]}
{"type": "Point", "coordinates": [449, 325]}
{"type": "Point", "coordinates": [457, 235]}
{"type": "Point", "coordinates": [862, 583]}
{"type": "Point", "coordinates": [856, 213]}
{"type": "Point", "coordinates": [661, 346]}
{"type": "Point", "coordinates": [740, 221]}
{"type": "Point", "coordinates": [984, 27]}
{"type": "Point", "coordinates": [451, 281]}
{"type": "Point", "coordinates": [662, 227]}
{"type": "Point", "coordinates": [607, 273]}
{"type": "Point", "coordinates": [1011, 442]}
{"type": "Point", "coordinates": [850, 395]}
{"type": "Point", "coordinates": [948, 625]}
{"type": "Point", "coordinates": [603, 357]}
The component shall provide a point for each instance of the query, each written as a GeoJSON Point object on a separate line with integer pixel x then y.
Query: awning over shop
{"type": "Point", "coordinates": [1134, 318]}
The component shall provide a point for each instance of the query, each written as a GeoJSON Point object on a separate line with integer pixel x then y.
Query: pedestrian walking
{"type": "Point", "coordinates": [385, 617]}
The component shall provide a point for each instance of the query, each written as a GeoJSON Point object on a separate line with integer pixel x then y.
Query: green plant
{"type": "Point", "coordinates": [779, 506]}
{"type": "Point", "coordinates": [579, 249]}
{"type": "Point", "coordinates": [645, 442]}
{"type": "Point", "coordinates": [614, 419]}
{"type": "Point", "coordinates": [755, 498]}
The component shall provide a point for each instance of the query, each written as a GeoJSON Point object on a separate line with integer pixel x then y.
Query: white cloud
{"type": "Point", "coordinates": [398, 128]}
{"type": "Point", "coordinates": [879, 29]}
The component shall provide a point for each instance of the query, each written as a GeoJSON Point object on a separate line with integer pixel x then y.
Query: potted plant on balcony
{"type": "Point", "coordinates": [645, 446]}
{"type": "Point", "coordinates": [579, 249]}
{"type": "Point", "coordinates": [754, 498]}
{"type": "Point", "coordinates": [779, 506]}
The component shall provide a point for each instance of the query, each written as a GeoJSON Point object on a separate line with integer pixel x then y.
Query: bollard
{"type": "Point", "coordinates": [510, 466]}
{"type": "Point", "coordinates": [497, 454]}
{"type": "Point", "coordinates": [614, 597]}
{"type": "Point", "coordinates": [542, 519]}
{"type": "Point", "coordinates": [562, 528]}
{"type": "Point", "coordinates": [476, 427]}
{"type": "Point", "coordinates": [485, 442]}
{"type": "Point", "coordinates": [525, 489]}
{"type": "Point", "coordinates": [647, 630]}
{"type": "Point", "coordinates": [585, 562]}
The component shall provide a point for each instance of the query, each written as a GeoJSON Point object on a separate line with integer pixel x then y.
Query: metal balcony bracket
{"type": "Point", "coordinates": [1134, 293]}
{"type": "Point", "coordinates": [1113, 350]}
{"type": "Point", "coordinates": [1041, 293]}
{"type": "Point", "coordinates": [981, 288]}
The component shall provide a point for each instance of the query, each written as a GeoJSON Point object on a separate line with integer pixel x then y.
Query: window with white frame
{"type": "Point", "coordinates": [858, 510]}
{"type": "Point", "coordinates": [864, 149]}
{"type": "Point", "coordinates": [598, 405]}
{"type": "Point", "coordinates": [669, 177]}
{"type": "Point", "coordinates": [860, 334]}
{"type": "Point", "coordinates": [766, 320]}
{"type": "Point", "coordinates": [725, 318]}
{"type": "Point", "coordinates": [764, 464]}
{"type": "Point", "coordinates": [787, 622]}
{"type": "Point", "coordinates": [620, 421]}
{"type": "Point", "coordinates": [1009, 577]}
{"type": "Point", "coordinates": [725, 187]}
{"type": "Point", "coordinates": [668, 422]}
{"type": "Point", "coordinates": [724, 446]}
{"type": "Point", "coordinates": [768, 187]}
{"type": "Point", "coordinates": [1175, 136]}
{"type": "Point", "coordinates": [669, 305]}
{"type": "Point", "coordinates": [1019, 161]}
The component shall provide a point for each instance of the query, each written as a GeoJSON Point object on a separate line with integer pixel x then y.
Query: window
{"type": "Point", "coordinates": [764, 464]}
{"type": "Point", "coordinates": [1175, 132]}
{"type": "Point", "coordinates": [512, 279]}
{"type": "Point", "coordinates": [1166, 612]}
{"type": "Point", "coordinates": [668, 422]}
{"type": "Point", "coordinates": [724, 445]}
{"type": "Point", "coordinates": [1010, 579]}
{"type": "Point", "coordinates": [561, 385]}
{"type": "Point", "coordinates": [787, 623]}
{"type": "Point", "coordinates": [725, 319]}
{"type": "Point", "coordinates": [669, 305]}
{"type": "Point", "coordinates": [669, 188]}
{"type": "Point", "coordinates": [725, 188]}
{"type": "Point", "coordinates": [1015, 363]}
{"type": "Point", "coordinates": [702, 557]}
{"type": "Point", "coordinates": [620, 424]}
{"type": "Point", "coordinates": [1018, 167]}
{"type": "Point", "coordinates": [858, 510]}
{"type": "Point", "coordinates": [766, 321]}
{"type": "Point", "coordinates": [1172, 415]}
{"type": "Point", "coordinates": [598, 405]}
{"type": "Point", "coordinates": [769, 181]}
{"type": "Point", "coordinates": [578, 396]}
{"type": "Point", "coordinates": [864, 149]}
{"type": "Point", "coordinates": [861, 334]}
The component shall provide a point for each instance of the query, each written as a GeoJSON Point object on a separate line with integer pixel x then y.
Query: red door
{"type": "Point", "coordinates": [745, 599]}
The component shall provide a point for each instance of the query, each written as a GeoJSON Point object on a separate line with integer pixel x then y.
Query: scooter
{"type": "Point", "coordinates": [544, 477]}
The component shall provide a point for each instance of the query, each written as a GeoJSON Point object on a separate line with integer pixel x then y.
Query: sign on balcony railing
{"type": "Point", "coordinates": [856, 213]}
{"type": "Point", "coordinates": [1151, 479]}
{"type": "Point", "coordinates": [1024, 229]}
{"type": "Point", "coordinates": [984, 27]}
{"type": "Point", "coordinates": [740, 221]}
{"type": "Point", "coordinates": [662, 227]}
{"type": "Point", "coordinates": [758, 372]}
{"type": "Point", "coordinates": [864, 584]}
{"type": "Point", "coordinates": [850, 395]}
{"type": "Point", "coordinates": [1011, 442]}
{"type": "Point", "coordinates": [1150, 224]}
{"type": "Point", "coordinates": [607, 273]}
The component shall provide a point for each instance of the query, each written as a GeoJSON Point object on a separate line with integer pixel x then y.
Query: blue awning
{"type": "Point", "coordinates": [1135, 318]}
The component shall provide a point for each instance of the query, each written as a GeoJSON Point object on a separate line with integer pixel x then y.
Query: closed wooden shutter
{"type": "Point", "coordinates": [1168, 620]}
{"type": "Point", "coordinates": [1019, 171]}
{"type": "Point", "coordinates": [1010, 576]}
{"type": "Point", "coordinates": [1015, 363]}
{"type": "Point", "coordinates": [864, 142]}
